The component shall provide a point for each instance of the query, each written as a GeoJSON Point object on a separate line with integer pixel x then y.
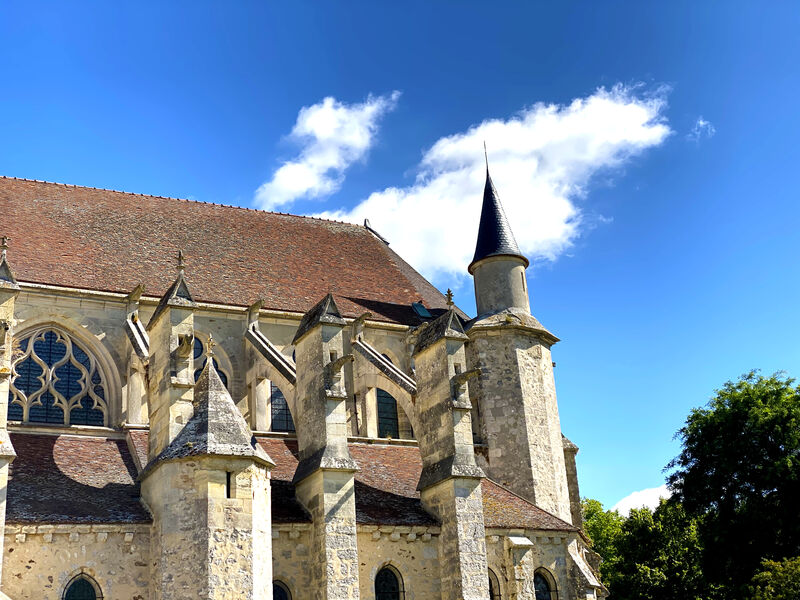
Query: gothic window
{"type": "Point", "coordinates": [544, 591]}
{"type": "Point", "coordinates": [389, 585]}
{"type": "Point", "coordinates": [280, 591]}
{"type": "Point", "coordinates": [387, 415]}
{"type": "Point", "coordinates": [281, 416]}
{"type": "Point", "coordinates": [54, 380]}
{"type": "Point", "coordinates": [81, 588]}
{"type": "Point", "coordinates": [200, 359]}
{"type": "Point", "coordinates": [494, 586]}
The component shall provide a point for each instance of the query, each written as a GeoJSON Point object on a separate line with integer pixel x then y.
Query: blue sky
{"type": "Point", "coordinates": [646, 154]}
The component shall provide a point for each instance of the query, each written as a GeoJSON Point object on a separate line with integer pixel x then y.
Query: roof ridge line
{"type": "Point", "coordinates": [258, 210]}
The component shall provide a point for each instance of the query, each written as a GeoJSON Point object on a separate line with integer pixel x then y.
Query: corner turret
{"type": "Point", "coordinates": [498, 266]}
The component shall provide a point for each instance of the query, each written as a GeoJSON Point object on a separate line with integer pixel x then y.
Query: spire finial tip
{"type": "Point", "coordinates": [210, 346]}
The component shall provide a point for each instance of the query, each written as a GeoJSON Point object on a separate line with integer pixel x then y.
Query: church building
{"type": "Point", "coordinates": [201, 401]}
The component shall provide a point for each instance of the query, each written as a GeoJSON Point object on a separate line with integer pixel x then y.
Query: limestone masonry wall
{"type": "Point", "coordinates": [40, 560]}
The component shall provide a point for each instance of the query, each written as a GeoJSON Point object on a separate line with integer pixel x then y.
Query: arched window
{"type": "Point", "coordinates": [280, 591]}
{"type": "Point", "coordinates": [55, 380]}
{"type": "Point", "coordinates": [389, 585]}
{"type": "Point", "coordinates": [82, 588]}
{"type": "Point", "coordinates": [200, 359]}
{"type": "Point", "coordinates": [388, 425]}
{"type": "Point", "coordinates": [279, 408]}
{"type": "Point", "coordinates": [494, 586]}
{"type": "Point", "coordinates": [544, 590]}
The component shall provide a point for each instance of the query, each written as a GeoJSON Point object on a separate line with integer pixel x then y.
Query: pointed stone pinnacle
{"type": "Point", "coordinates": [181, 264]}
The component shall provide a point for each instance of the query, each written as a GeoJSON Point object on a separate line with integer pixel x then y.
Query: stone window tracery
{"type": "Point", "coordinates": [55, 380]}
{"type": "Point", "coordinates": [389, 585]}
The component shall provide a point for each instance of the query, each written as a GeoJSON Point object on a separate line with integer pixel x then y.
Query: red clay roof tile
{"type": "Point", "coordinates": [105, 240]}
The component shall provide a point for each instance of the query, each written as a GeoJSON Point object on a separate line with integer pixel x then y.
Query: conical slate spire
{"type": "Point", "coordinates": [495, 237]}
{"type": "Point", "coordinates": [216, 428]}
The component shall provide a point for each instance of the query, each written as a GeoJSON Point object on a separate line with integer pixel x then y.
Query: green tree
{"type": "Point", "coordinates": [739, 471]}
{"type": "Point", "coordinates": [659, 556]}
{"type": "Point", "coordinates": [603, 528]}
{"type": "Point", "coordinates": [777, 580]}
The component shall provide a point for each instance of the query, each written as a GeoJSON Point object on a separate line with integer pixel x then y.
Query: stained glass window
{"type": "Point", "coordinates": [542, 587]}
{"type": "Point", "coordinates": [200, 359]}
{"type": "Point", "coordinates": [280, 591]}
{"type": "Point", "coordinates": [281, 415]}
{"type": "Point", "coordinates": [388, 585]}
{"type": "Point", "coordinates": [387, 415]}
{"type": "Point", "coordinates": [80, 589]}
{"type": "Point", "coordinates": [53, 375]}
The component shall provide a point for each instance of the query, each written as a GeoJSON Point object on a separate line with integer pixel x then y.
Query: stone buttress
{"type": "Point", "coordinates": [9, 289]}
{"type": "Point", "coordinates": [207, 480]}
{"type": "Point", "coordinates": [324, 480]}
{"type": "Point", "coordinates": [450, 483]}
{"type": "Point", "coordinates": [515, 392]}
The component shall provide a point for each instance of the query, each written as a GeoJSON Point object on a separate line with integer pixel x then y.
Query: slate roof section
{"type": "Point", "coordinates": [495, 237]}
{"type": "Point", "coordinates": [72, 479]}
{"type": "Point", "coordinates": [105, 240]}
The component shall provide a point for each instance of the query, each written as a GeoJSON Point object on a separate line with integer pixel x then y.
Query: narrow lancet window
{"type": "Point", "coordinates": [279, 409]}
{"type": "Point", "coordinates": [388, 425]}
{"type": "Point", "coordinates": [388, 585]}
{"type": "Point", "coordinates": [81, 588]}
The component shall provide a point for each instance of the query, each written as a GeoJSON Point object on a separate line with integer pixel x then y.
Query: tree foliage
{"type": "Point", "coordinates": [739, 471]}
{"type": "Point", "coordinates": [603, 528]}
{"type": "Point", "coordinates": [777, 580]}
{"type": "Point", "coordinates": [659, 556]}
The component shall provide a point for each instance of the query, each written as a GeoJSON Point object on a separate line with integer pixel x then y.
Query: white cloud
{"type": "Point", "coordinates": [332, 136]}
{"type": "Point", "coordinates": [541, 161]}
{"type": "Point", "coordinates": [648, 497]}
{"type": "Point", "coordinates": [701, 129]}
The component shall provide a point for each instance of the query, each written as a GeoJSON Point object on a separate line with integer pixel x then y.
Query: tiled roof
{"type": "Point", "coordinates": [137, 444]}
{"type": "Point", "coordinates": [81, 479]}
{"type": "Point", "coordinates": [110, 241]}
{"type": "Point", "coordinates": [72, 479]}
{"type": "Point", "coordinates": [386, 489]}
{"type": "Point", "coordinates": [503, 509]}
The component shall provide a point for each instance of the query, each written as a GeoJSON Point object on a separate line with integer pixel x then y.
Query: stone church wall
{"type": "Point", "coordinates": [411, 551]}
{"type": "Point", "coordinates": [40, 560]}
